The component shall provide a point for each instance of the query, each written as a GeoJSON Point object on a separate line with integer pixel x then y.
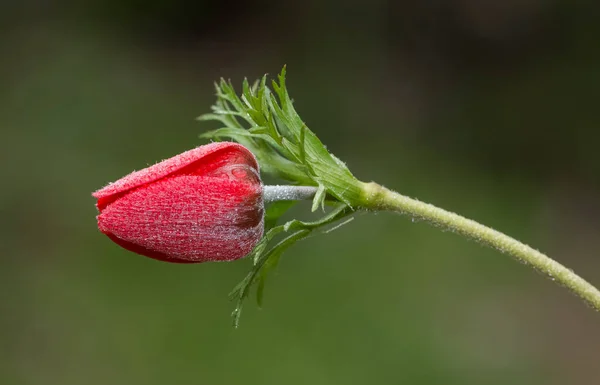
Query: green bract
{"type": "Point", "coordinates": [270, 127]}
{"type": "Point", "coordinates": [267, 123]}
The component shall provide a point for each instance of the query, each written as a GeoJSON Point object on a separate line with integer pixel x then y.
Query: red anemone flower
{"type": "Point", "coordinates": [202, 205]}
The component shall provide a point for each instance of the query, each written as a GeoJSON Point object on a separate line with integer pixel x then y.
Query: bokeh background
{"type": "Point", "coordinates": [486, 108]}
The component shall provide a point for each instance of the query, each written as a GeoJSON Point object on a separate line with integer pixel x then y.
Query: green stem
{"type": "Point", "coordinates": [379, 198]}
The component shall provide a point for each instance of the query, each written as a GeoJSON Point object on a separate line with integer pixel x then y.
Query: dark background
{"type": "Point", "coordinates": [486, 108]}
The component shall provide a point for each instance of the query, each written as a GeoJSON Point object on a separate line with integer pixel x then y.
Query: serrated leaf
{"type": "Point", "coordinates": [242, 291]}
{"type": "Point", "coordinates": [266, 260]}
{"type": "Point", "coordinates": [267, 123]}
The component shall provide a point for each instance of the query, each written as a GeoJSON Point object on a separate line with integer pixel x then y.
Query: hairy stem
{"type": "Point", "coordinates": [379, 198]}
{"type": "Point", "coordinates": [288, 193]}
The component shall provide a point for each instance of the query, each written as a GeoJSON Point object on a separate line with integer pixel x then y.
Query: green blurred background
{"type": "Point", "coordinates": [486, 108]}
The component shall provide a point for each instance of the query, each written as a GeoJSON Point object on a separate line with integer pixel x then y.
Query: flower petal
{"type": "Point", "coordinates": [199, 161]}
{"type": "Point", "coordinates": [188, 218]}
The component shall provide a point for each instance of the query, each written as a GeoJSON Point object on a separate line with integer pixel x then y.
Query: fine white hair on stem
{"type": "Point", "coordinates": [288, 193]}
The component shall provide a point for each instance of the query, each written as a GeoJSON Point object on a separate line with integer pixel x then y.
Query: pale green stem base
{"type": "Point", "coordinates": [379, 198]}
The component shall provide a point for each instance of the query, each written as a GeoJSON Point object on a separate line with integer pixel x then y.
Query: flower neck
{"type": "Point", "coordinates": [288, 193]}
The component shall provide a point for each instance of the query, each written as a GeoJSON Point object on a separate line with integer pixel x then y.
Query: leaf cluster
{"type": "Point", "coordinates": [266, 122]}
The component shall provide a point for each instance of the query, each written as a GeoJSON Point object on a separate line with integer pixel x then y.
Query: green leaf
{"type": "Point", "coordinates": [319, 199]}
{"type": "Point", "coordinates": [242, 290]}
{"type": "Point", "coordinates": [266, 259]}
{"type": "Point", "coordinates": [267, 123]}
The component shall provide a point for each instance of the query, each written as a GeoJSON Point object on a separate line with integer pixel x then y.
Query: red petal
{"type": "Point", "coordinates": [144, 251]}
{"type": "Point", "coordinates": [188, 219]}
{"type": "Point", "coordinates": [202, 160]}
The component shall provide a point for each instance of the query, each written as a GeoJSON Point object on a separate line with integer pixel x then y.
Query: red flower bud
{"type": "Point", "coordinates": [203, 205]}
